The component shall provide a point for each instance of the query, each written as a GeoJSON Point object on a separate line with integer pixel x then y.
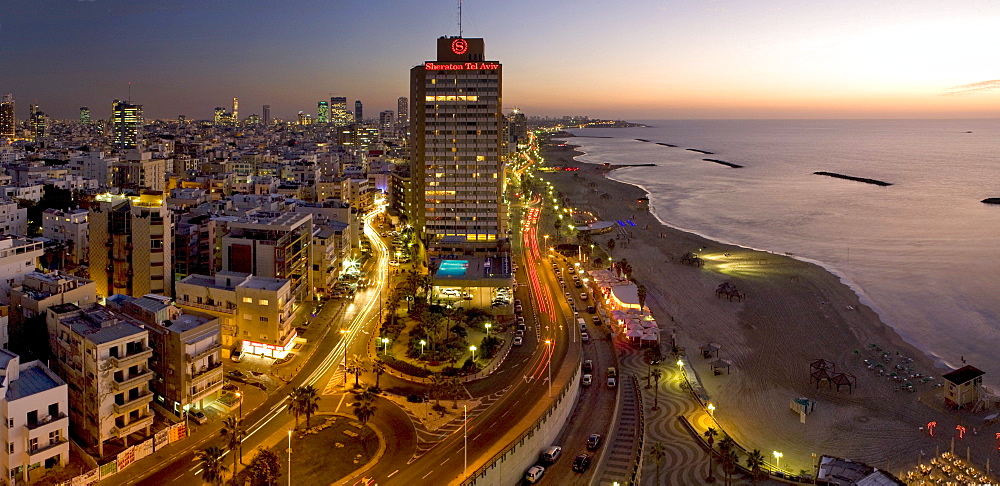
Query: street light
{"type": "Point", "coordinates": [422, 344]}
{"type": "Point", "coordinates": [465, 451]}
{"type": "Point", "coordinates": [777, 460]}
{"type": "Point", "coordinates": [680, 364]}
{"type": "Point", "coordinates": [487, 329]}
{"type": "Point", "coordinates": [385, 349]}
{"type": "Point", "coordinates": [240, 424]}
{"type": "Point", "coordinates": [289, 458]}
{"type": "Point", "coordinates": [473, 349]}
{"type": "Point", "coordinates": [711, 410]}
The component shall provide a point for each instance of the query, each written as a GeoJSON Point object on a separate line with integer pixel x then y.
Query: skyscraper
{"type": "Point", "coordinates": [8, 121]}
{"type": "Point", "coordinates": [456, 152]}
{"type": "Point", "coordinates": [126, 123]}
{"type": "Point", "coordinates": [236, 111]}
{"type": "Point", "coordinates": [267, 115]}
{"type": "Point", "coordinates": [402, 114]}
{"type": "Point", "coordinates": [84, 115]}
{"type": "Point", "coordinates": [359, 114]}
{"type": "Point", "coordinates": [338, 111]}
{"type": "Point", "coordinates": [39, 122]}
{"type": "Point", "coordinates": [323, 112]}
{"type": "Point", "coordinates": [386, 123]}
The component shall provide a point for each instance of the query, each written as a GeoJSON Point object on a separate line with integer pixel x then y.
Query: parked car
{"type": "Point", "coordinates": [518, 309]}
{"type": "Point", "coordinates": [587, 380]}
{"type": "Point", "coordinates": [235, 356]}
{"type": "Point", "coordinates": [534, 474]}
{"type": "Point", "coordinates": [593, 442]}
{"type": "Point", "coordinates": [236, 376]}
{"type": "Point", "coordinates": [581, 463]}
{"type": "Point", "coordinates": [198, 416]}
{"type": "Point", "coordinates": [551, 454]}
{"type": "Point", "coordinates": [518, 340]}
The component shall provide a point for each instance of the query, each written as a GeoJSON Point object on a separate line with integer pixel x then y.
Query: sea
{"type": "Point", "coordinates": [923, 252]}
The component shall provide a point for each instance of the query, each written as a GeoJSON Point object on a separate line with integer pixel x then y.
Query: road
{"type": "Point", "coordinates": [271, 417]}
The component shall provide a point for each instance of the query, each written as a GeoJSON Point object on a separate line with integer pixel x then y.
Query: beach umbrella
{"type": "Point", "coordinates": [710, 347]}
{"type": "Point", "coordinates": [619, 315]}
{"type": "Point", "coordinates": [634, 333]}
{"type": "Point", "coordinates": [634, 325]}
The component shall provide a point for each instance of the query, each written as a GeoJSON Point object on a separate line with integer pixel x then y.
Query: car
{"type": "Point", "coordinates": [551, 454]}
{"type": "Point", "coordinates": [569, 296]}
{"type": "Point", "coordinates": [260, 385]}
{"type": "Point", "coordinates": [517, 301]}
{"type": "Point", "coordinates": [584, 296]}
{"type": "Point", "coordinates": [588, 365]}
{"type": "Point", "coordinates": [520, 320]}
{"type": "Point", "coordinates": [518, 340]}
{"type": "Point", "coordinates": [578, 285]}
{"type": "Point", "coordinates": [591, 309]}
{"type": "Point", "coordinates": [519, 332]}
{"type": "Point", "coordinates": [612, 371]}
{"type": "Point", "coordinates": [235, 356]}
{"type": "Point", "coordinates": [583, 326]}
{"type": "Point", "coordinates": [518, 309]}
{"type": "Point", "coordinates": [198, 416]}
{"type": "Point", "coordinates": [581, 463]}
{"type": "Point", "coordinates": [612, 382]}
{"type": "Point", "coordinates": [597, 320]}
{"type": "Point", "coordinates": [534, 474]}
{"type": "Point", "coordinates": [587, 380]}
{"type": "Point", "coordinates": [593, 442]}
{"type": "Point", "coordinates": [570, 270]}
{"type": "Point", "coordinates": [585, 337]}
{"type": "Point", "coordinates": [393, 263]}
{"type": "Point", "coordinates": [236, 376]}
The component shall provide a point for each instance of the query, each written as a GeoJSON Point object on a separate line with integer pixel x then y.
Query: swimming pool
{"type": "Point", "coordinates": [453, 268]}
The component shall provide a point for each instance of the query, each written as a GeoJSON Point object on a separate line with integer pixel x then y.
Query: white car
{"type": "Point", "coordinates": [587, 380]}
{"type": "Point", "coordinates": [518, 340]}
{"type": "Point", "coordinates": [534, 474]}
{"type": "Point", "coordinates": [585, 337]}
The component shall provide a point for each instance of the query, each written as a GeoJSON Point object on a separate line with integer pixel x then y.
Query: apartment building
{"type": "Point", "coordinates": [130, 245]}
{"type": "Point", "coordinates": [73, 229]}
{"type": "Point", "coordinates": [33, 406]}
{"type": "Point", "coordinates": [18, 257]}
{"type": "Point", "coordinates": [271, 244]}
{"type": "Point", "coordinates": [104, 357]}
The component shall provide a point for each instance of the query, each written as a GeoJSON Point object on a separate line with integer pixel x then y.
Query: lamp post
{"type": "Point", "coordinates": [487, 329]}
{"type": "Point", "coordinates": [465, 452]}
{"type": "Point", "coordinates": [385, 348]}
{"type": "Point", "coordinates": [240, 424]}
{"type": "Point", "coordinates": [473, 349]}
{"type": "Point", "coordinates": [777, 460]}
{"type": "Point", "coordinates": [711, 410]}
{"type": "Point", "coordinates": [422, 344]}
{"type": "Point", "coordinates": [548, 342]}
{"type": "Point", "coordinates": [289, 458]}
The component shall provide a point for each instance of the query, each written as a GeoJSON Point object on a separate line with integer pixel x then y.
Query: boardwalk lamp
{"type": "Point", "coordinates": [422, 344]}
{"type": "Point", "coordinates": [487, 329]}
{"type": "Point", "coordinates": [711, 410]}
{"type": "Point", "coordinates": [777, 459]}
{"type": "Point", "coordinates": [385, 348]}
{"type": "Point", "coordinates": [473, 349]}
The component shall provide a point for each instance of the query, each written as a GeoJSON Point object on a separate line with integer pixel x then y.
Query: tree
{"type": "Point", "coordinates": [364, 407]}
{"type": "Point", "coordinates": [295, 405]}
{"type": "Point", "coordinates": [212, 468]}
{"type": "Point", "coordinates": [611, 246]}
{"type": "Point", "coordinates": [355, 367]}
{"type": "Point", "coordinates": [265, 468]}
{"type": "Point", "coordinates": [232, 431]}
{"type": "Point", "coordinates": [726, 446]}
{"type": "Point", "coordinates": [378, 367]}
{"type": "Point", "coordinates": [641, 291]}
{"type": "Point", "coordinates": [710, 435]}
{"type": "Point", "coordinates": [730, 460]}
{"type": "Point", "coordinates": [308, 399]}
{"type": "Point", "coordinates": [656, 374]}
{"type": "Point", "coordinates": [651, 354]}
{"type": "Point", "coordinates": [454, 386]}
{"type": "Point", "coordinates": [658, 453]}
{"type": "Point", "coordinates": [438, 386]}
{"type": "Point", "coordinates": [755, 460]}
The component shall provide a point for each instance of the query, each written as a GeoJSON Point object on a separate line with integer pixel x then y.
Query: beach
{"type": "Point", "coordinates": [794, 313]}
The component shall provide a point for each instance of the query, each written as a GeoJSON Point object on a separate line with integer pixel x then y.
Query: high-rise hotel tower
{"type": "Point", "coordinates": [456, 127]}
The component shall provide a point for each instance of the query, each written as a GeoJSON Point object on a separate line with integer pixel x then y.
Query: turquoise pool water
{"type": "Point", "coordinates": [453, 268]}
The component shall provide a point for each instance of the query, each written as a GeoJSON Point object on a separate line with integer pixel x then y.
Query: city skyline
{"type": "Point", "coordinates": [690, 60]}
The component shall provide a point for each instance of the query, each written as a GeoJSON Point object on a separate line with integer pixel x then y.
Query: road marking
{"type": "Point", "coordinates": [392, 473]}
{"type": "Point", "coordinates": [476, 437]}
{"type": "Point", "coordinates": [342, 397]}
{"type": "Point", "coordinates": [442, 464]}
{"type": "Point", "coordinates": [428, 474]}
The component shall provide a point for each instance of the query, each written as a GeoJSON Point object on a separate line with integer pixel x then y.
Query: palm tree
{"type": "Point", "coordinates": [212, 468]}
{"type": "Point", "coordinates": [438, 385]}
{"type": "Point", "coordinates": [641, 291]}
{"type": "Point", "coordinates": [308, 399]}
{"type": "Point", "coordinates": [651, 355]}
{"type": "Point", "coordinates": [656, 373]}
{"type": "Point", "coordinates": [355, 367]}
{"type": "Point", "coordinates": [658, 453]}
{"type": "Point", "coordinates": [725, 447]}
{"type": "Point", "coordinates": [232, 431]}
{"type": "Point", "coordinates": [364, 407]}
{"type": "Point", "coordinates": [454, 386]}
{"type": "Point", "coordinates": [378, 367]}
{"type": "Point", "coordinates": [755, 460]}
{"type": "Point", "coordinates": [710, 435]}
{"type": "Point", "coordinates": [295, 405]}
{"type": "Point", "coordinates": [730, 460]}
{"type": "Point", "coordinates": [611, 246]}
{"type": "Point", "coordinates": [265, 468]}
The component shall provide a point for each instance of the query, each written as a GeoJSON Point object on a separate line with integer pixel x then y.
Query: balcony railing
{"type": "Point", "coordinates": [46, 421]}
{"type": "Point", "coordinates": [207, 370]}
{"type": "Point", "coordinates": [211, 349]}
{"type": "Point", "coordinates": [32, 453]}
{"type": "Point", "coordinates": [213, 308]}
{"type": "Point", "coordinates": [205, 392]}
{"type": "Point", "coordinates": [131, 381]}
{"type": "Point", "coordinates": [134, 403]}
{"type": "Point", "coordinates": [131, 358]}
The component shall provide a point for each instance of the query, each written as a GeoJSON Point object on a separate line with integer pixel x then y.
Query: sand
{"type": "Point", "coordinates": [794, 313]}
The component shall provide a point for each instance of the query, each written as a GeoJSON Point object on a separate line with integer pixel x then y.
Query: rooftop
{"type": "Point", "coordinates": [98, 324]}
{"type": "Point", "coordinates": [33, 379]}
{"type": "Point", "coordinates": [964, 374]}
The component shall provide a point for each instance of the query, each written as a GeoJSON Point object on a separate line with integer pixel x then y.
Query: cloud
{"type": "Point", "coordinates": [965, 89]}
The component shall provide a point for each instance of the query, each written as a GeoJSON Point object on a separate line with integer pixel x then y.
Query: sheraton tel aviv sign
{"type": "Point", "coordinates": [433, 66]}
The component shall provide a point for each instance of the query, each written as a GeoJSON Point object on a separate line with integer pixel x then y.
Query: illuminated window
{"type": "Point", "coordinates": [248, 300]}
{"type": "Point", "coordinates": [480, 158]}
{"type": "Point", "coordinates": [263, 302]}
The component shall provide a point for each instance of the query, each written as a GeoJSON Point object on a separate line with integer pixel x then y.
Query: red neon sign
{"type": "Point", "coordinates": [459, 46]}
{"type": "Point", "coordinates": [431, 66]}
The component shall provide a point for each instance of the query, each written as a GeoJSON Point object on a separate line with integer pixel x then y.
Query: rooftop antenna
{"type": "Point", "coordinates": [130, 91]}
{"type": "Point", "coordinates": [460, 18]}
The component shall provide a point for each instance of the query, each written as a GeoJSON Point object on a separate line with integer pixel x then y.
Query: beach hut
{"type": "Point", "coordinates": [720, 363]}
{"type": "Point", "coordinates": [709, 348]}
{"type": "Point", "coordinates": [845, 379]}
{"type": "Point", "coordinates": [650, 337]}
{"type": "Point", "coordinates": [963, 386]}
{"type": "Point", "coordinates": [634, 335]}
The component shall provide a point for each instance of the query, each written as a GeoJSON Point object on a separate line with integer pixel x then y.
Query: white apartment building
{"type": "Point", "coordinates": [72, 228]}
{"type": "Point", "coordinates": [33, 407]}
{"type": "Point", "coordinates": [18, 257]}
{"type": "Point", "coordinates": [104, 356]}
{"type": "Point", "coordinates": [13, 219]}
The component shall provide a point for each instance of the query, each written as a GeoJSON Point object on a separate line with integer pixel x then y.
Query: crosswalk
{"type": "Point", "coordinates": [427, 439]}
{"type": "Point", "coordinates": [337, 381]}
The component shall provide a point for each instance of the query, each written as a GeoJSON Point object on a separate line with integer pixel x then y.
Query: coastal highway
{"type": "Point", "coordinates": [272, 416]}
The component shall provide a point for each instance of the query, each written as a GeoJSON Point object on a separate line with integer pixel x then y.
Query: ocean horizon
{"type": "Point", "coordinates": [923, 252]}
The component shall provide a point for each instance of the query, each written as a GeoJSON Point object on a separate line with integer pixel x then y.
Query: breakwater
{"type": "Point", "coordinates": [852, 178]}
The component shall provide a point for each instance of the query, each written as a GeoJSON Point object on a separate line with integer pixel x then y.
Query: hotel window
{"type": "Point", "coordinates": [262, 302]}
{"type": "Point", "coordinates": [248, 300]}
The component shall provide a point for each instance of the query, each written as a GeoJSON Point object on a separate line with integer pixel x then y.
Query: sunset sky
{"type": "Point", "coordinates": [633, 59]}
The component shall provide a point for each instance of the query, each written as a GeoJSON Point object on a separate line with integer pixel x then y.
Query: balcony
{"type": "Point", "coordinates": [211, 349]}
{"type": "Point", "coordinates": [206, 370]}
{"type": "Point", "coordinates": [214, 308]}
{"type": "Point", "coordinates": [131, 381]}
{"type": "Point", "coordinates": [134, 403]}
{"type": "Point", "coordinates": [47, 420]}
{"type": "Point", "coordinates": [136, 425]}
{"type": "Point", "coordinates": [205, 392]}
{"type": "Point", "coordinates": [37, 454]}
{"type": "Point", "coordinates": [131, 358]}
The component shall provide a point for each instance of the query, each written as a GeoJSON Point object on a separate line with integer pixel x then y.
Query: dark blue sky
{"type": "Point", "coordinates": [638, 59]}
